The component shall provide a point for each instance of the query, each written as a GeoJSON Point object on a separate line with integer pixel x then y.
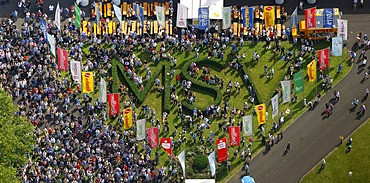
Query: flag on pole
{"type": "Point", "coordinates": [103, 91]}
{"type": "Point", "coordinates": [311, 71]}
{"type": "Point", "coordinates": [51, 41]}
{"type": "Point", "coordinates": [166, 143]}
{"type": "Point", "coordinates": [57, 16]}
{"type": "Point", "coordinates": [113, 103]}
{"type": "Point", "coordinates": [62, 59]}
{"type": "Point", "coordinates": [294, 19]}
{"type": "Point", "coordinates": [181, 158]}
{"type": "Point", "coordinates": [337, 46]}
{"type": "Point", "coordinates": [87, 82]}
{"type": "Point", "coordinates": [161, 16]}
{"type": "Point", "coordinates": [118, 13]}
{"type": "Point", "coordinates": [309, 15]}
{"type": "Point", "coordinates": [182, 15]}
{"type": "Point", "coordinates": [226, 17]}
{"type": "Point", "coordinates": [221, 149]}
{"type": "Point", "coordinates": [234, 135]}
{"type": "Point", "coordinates": [212, 164]}
{"type": "Point", "coordinates": [323, 58]}
{"type": "Point", "coordinates": [328, 18]}
{"type": "Point", "coordinates": [269, 14]}
{"type": "Point", "coordinates": [75, 67]}
{"type": "Point", "coordinates": [244, 15]}
{"type": "Point", "coordinates": [285, 85]}
{"type": "Point", "coordinates": [203, 18]}
{"type": "Point", "coordinates": [275, 105]}
{"type": "Point", "coordinates": [261, 113]}
{"type": "Point", "coordinates": [152, 137]}
{"type": "Point", "coordinates": [97, 6]}
{"type": "Point", "coordinates": [250, 16]}
{"type": "Point", "coordinates": [140, 129]}
{"type": "Point", "coordinates": [298, 82]}
{"type": "Point", "coordinates": [342, 29]}
{"type": "Point", "coordinates": [247, 125]}
{"type": "Point", "coordinates": [139, 12]}
{"type": "Point", "coordinates": [127, 118]}
{"type": "Point", "coordinates": [77, 16]}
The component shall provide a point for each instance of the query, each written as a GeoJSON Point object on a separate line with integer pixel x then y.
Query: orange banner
{"type": "Point", "coordinates": [311, 71]}
{"type": "Point", "coordinates": [261, 114]}
{"type": "Point", "coordinates": [87, 82]}
{"type": "Point", "coordinates": [127, 117]}
{"type": "Point", "coordinates": [269, 14]}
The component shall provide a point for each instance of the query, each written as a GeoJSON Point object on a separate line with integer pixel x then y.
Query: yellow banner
{"type": "Point", "coordinates": [261, 114]}
{"type": "Point", "coordinates": [269, 14]}
{"type": "Point", "coordinates": [311, 71]}
{"type": "Point", "coordinates": [127, 117]}
{"type": "Point", "coordinates": [87, 82]}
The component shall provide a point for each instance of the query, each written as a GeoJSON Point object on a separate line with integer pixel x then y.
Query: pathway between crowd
{"type": "Point", "coordinates": [311, 137]}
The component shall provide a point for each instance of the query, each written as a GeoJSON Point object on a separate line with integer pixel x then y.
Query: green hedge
{"type": "Point", "coordinates": [166, 78]}
{"type": "Point", "coordinates": [200, 162]}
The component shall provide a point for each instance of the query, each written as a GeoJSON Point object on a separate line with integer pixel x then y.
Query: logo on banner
{"type": "Point", "coordinates": [260, 111]}
{"type": "Point", "coordinates": [221, 145]}
{"type": "Point", "coordinates": [113, 104]}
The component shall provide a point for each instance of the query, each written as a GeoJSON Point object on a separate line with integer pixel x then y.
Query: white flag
{"type": "Point", "coordinates": [342, 29]}
{"type": "Point", "coordinates": [160, 16]}
{"type": "Point", "coordinates": [140, 131]}
{"type": "Point", "coordinates": [286, 91]}
{"type": "Point", "coordinates": [51, 41]}
{"type": "Point", "coordinates": [247, 125]}
{"type": "Point", "coordinates": [97, 12]}
{"type": "Point", "coordinates": [181, 158]}
{"type": "Point", "coordinates": [182, 15]}
{"type": "Point", "coordinates": [103, 91]}
{"type": "Point", "coordinates": [76, 70]}
{"type": "Point", "coordinates": [275, 105]}
{"type": "Point", "coordinates": [57, 16]}
{"type": "Point", "coordinates": [226, 17]}
{"type": "Point", "coordinates": [118, 13]}
{"type": "Point", "coordinates": [212, 165]}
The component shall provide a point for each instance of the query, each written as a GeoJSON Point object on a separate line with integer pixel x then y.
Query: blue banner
{"type": "Point", "coordinates": [250, 17]}
{"type": "Point", "coordinates": [337, 46]}
{"type": "Point", "coordinates": [139, 12]}
{"type": "Point", "coordinates": [244, 20]}
{"type": "Point", "coordinates": [328, 18]}
{"type": "Point", "coordinates": [203, 18]}
{"type": "Point", "coordinates": [294, 19]}
{"type": "Point", "coordinates": [43, 28]}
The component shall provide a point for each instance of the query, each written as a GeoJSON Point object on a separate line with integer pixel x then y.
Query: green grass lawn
{"type": "Point", "coordinates": [339, 163]}
{"type": "Point", "coordinates": [264, 87]}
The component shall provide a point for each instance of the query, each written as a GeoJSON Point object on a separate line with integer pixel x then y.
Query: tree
{"type": "Point", "coordinates": [16, 139]}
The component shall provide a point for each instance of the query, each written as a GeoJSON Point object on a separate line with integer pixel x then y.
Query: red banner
{"type": "Point", "coordinates": [234, 135]}
{"type": "Point", "coordinates": [309, 15]}
{"type": "Point", "coordinates": [152, 137]}
{"type": "Point", "coordinates": [113, 101]}
{"type": "Point", "coordinates": [323, 58]}
{"type": "Point", "coordinates": [166, 143]}
{"type": "Point", "coordinates": [62, 59]}
{"type": "Point", "coordinates": [221, 149]}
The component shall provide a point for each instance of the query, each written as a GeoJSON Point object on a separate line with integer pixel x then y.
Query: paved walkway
{"type": "Point", "coordinates": [311, 137]}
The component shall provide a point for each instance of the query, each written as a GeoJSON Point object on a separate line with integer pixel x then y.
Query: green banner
{"type": "Point", "coordinates": [77, 16]}
{"type": "Point", "coordinates": [298, 82]}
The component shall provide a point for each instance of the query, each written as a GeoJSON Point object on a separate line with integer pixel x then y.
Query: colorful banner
{"type": "Point", "coordinates": [43, 28]}
{"type": "Point", "coordinates": [75, 67]}
{"type": "Point", "coordinates": [298, 82]}
{"type": "Point", "coordinates": [275, 105]}
{"type": "Point", "coordinates": [127, 118]}
{"type": "Point", "coordinates": [294, 19]}
{"type": "Point", "coordinates": [161, 18]}
{"type": "Point", "coordinates": [212, 164]}
{"type": "Point", "coordinates": [244, 16]}
{"type": "Point", "coordinates": [57, 16]}
{"type": "Point", "coordinates": [337, 46]}
{"type": "Point", "coordinates": [118, 13]}
{"type": "Point", "coordinates": [181, 158]}
{"type": "Point", "coordinates": [269, 14]}
{"type": "Point", "coordinates": [323, 58]}
{"type": "Point", "coordinates": [342, 29]}
{"type": "Point", "coordinates": [51, 41]}
{"type": "Point", "coordinates": [309, 15]}
{"type": "Point", "coordinates": [62, 59]}
{"type": "Point", "coordinates": [250, 16]}
{"type": "Point", "coordinates": [328, 18]}
{"type": "Point", "coordinates": [261, 113]}
{"type": "Point", "coordinates": [87, 82]}
{"type": "Point", "coordinates": [247, 125]}
{"type": "Point", "coordinates": [167, 145]}
{"type": "Point", "coordinates": [311, 71]}
{"type": "Point", "coordinates": [77, 16]}
{"type": "Point", "coordinates": [285, 85]}
{"type": "Point", "coordinates": [182, 15]}
{"type": "Point", "coordinates": [140, 129]}
{"type": "Point", "coordinates": [152, 137]}
{"type": "Point", "coordinates": [103, 91]}
{"type": "Point", "coordinates": [226, 17]}
{"type": "Point", "coordinates": [203, 18]}
{"type": "Point", "coordinates": [234, 135]}
{"type": "Point", "coordinates": [139, 12]}
{"type": "Point", "coordinates": [221, 149]}
{"type": "Point", "coordinates": [113, 103]}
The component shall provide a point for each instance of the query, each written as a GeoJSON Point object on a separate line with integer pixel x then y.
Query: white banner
{"type": "Point", "coordinates": [76, 70]}
{"type": "Point", "coordinates": [161, 16]}
{"type": "Point", "coordinates": [118, 13]}
{"type": "Point", "coordinates": [212, 165]}
{"type": "Point", "coordinates": [247, 125]}
{"type": "Point", "coordinates": [51, 41]}
{"type": "Point", "coordinates": [181, 158]}
{"type": "Point", "coordinates": [182, 15]}
{"type": "Point", "coordinates": [286, 91]}
{"type": "Point", "coordinates": [342, 29]}
{"type": "Point", "coordinates": [57, 16]}
{"type": "Point", "coordinates": [215, 7]}
{"type": "Point", "coordinates": [275, 105]}
{"type": "Point", "coordinates": [226, 17]}
{"type": "Point", "coordinates": [140, 129]}
{"type": "Point", "coordinates": [103, 91]}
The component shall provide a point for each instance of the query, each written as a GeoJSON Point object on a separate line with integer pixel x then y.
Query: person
{"type": "Point", "coordinates": [301, 5]}
{"type": "Point", "coordinates": [323, 163]}
{"type": "Point", "coordinates": [362, 110]}
{"type": "Point", "coordinates": [287, 147]}
{"type": "Point", "coordinates": [341, 138]}
{"type": "Point", "coordinates": [340, 68]}
{"type": "Point", "coordinates": [355, 102]}
{"type": "Point", "coordinates": [366, 93]}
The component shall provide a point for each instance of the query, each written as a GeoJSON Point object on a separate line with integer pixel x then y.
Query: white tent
{"type": "Point", "coordinates": [200, 181]}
